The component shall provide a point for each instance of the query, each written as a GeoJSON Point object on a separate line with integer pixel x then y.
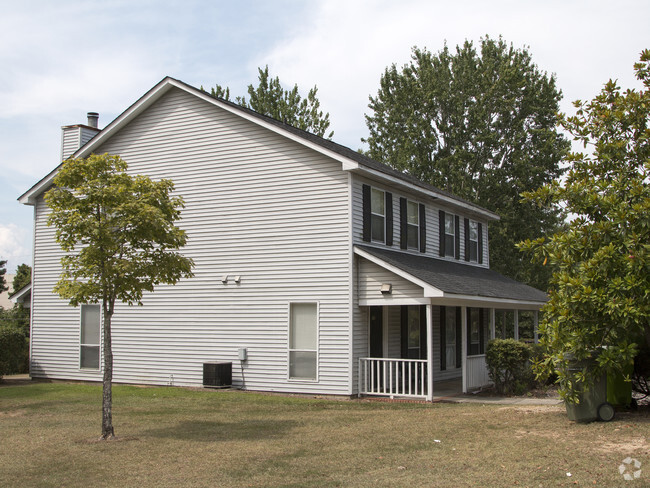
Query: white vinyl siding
{"type": "Point", "coordinates": [372, 276]}
{"type": "Point", "coordinates": [257, 205]}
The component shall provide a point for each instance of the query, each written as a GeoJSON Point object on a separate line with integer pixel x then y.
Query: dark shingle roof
{"type": "Point", "coordinates": [457, 278]}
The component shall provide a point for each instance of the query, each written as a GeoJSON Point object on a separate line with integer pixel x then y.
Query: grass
{"type": "Point", "coordinates": [169, 437]}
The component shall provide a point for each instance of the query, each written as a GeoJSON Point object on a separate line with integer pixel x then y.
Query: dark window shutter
{"type": "Point", "coordinates": [468, 328]}
{"type": "Point", "coordinates": [423, 228]}
{"type": "Point", "coordinates": [457, 237]}
{"type": "Point", "coordinates": [466, 239]}
{"type": "Point", "coordinates": [366, 213]}
{"type": "Point", "coordinates": [389, 218]}
{"type": "Point", "coordinates": [443, 339]}
{"type": "Point", "coordinates": [402, 223]}
{"type": "Point", "coordinates": [423, 331]}
{"type": "Point", "coordinates": [441, 224]}
{"type": "Point", "coordinates": [480, 243]}
{"type": "Point", "coordinates": [404, 345]}
{"type": "Point", "coordinates": [459, 339]}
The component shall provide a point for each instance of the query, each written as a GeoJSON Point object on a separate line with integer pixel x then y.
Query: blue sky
{"type": "Point", "coordinates": [61, 59]}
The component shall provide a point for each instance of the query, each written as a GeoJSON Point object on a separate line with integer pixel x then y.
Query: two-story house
{"type": "Point", "coordinates": [317, 270]}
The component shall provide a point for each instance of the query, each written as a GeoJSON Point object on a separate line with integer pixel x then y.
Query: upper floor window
{"type": "Point", "coordinates": [412, 225]}
{"type": "Point", "coordinates": [449, 235]}
{"type": "Point", "coordinates": [473, 241]}
{"type": "Point", "coordinates": [378, 215]}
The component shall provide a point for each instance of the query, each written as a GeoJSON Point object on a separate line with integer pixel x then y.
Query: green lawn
{"type": "Point", "coordinates": [170, 437]}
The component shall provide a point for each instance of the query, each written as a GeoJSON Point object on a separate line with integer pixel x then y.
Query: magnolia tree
{"type": "Point", "coordinates": [120, 240]}
{"type": "Point", "coordinates": [599, 300]}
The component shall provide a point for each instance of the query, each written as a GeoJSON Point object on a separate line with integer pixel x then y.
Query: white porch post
{"type": "Point", "coordinates": [535, 324]}
{"type": "Point", "coordinates": [429, 352]}
{"type": "Point", "coordinates": [492, 323]}
{"type": "Point", "coordinates": [463, 344]}
{"type": "Point", "coordinates": [516, 324]}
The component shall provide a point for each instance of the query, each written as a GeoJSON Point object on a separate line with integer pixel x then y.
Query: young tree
{"type": "Point", "coordinates": [270, 98]}
{"type": "Point", "coordinates": [23, 277]}
{"type": "Point", "coordinates": [3, 271]}
{"type": "Point", "coordinates": [599, 302]}
{"type": "Point", "coordinates": [481, 125]}
{"type": "Point", "coordinates": [120, 240]}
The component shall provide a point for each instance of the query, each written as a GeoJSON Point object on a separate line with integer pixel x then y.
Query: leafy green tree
{"type": "Point", "coordinates": [481, 125]}
{"type": "Point", "coordinates": [599, 304]}
{"type": "Point", "coordinates": [270, 98]}
{"type": "Point", "coordinates": [3, 271]}
{"type": "Point", "coordinates": [120, 240]}
{"type": "Point", "coordinates": [23, 277]}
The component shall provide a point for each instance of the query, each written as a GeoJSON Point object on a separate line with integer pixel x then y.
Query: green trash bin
{"type": "Point", "coordinates": [619, 391]}
{"type": "Point", "coordinates": [592, 403]}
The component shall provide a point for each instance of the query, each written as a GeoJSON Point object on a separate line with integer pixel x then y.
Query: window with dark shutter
{"type": "Point", "coordinates": [389, 219]}
{"type": "Point", "coordinates": [480, 243]}
{"type": "Point", "coordinates": [441, 231]}
{"type": "Point", "coordinates": [457, 241]}
{"type": "Point", "coordinates": [423, 228]}
{"type": "Point", "coordinates": [403, 229]}
{"type": "Point", "coordinates": [366, 213]}
{"type": "Point", "coordinates": [451, 231]}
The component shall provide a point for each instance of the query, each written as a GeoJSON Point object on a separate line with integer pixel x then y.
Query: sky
{"type": "Point", "coordinates": [61, 59]}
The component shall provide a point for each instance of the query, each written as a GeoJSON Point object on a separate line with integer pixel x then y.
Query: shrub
{"type": "Point", "coordinates": [14, 350]}
{"type": "Point", "coordinates": [509, 365]}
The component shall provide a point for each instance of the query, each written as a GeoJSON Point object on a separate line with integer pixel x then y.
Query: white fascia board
{"type": "Point", "coordinates": [429, 291]}
{"type": "Point", "coordinates": [379, 302]}
{"type": "Point", "coordinates": [20, 294]}
{"type": "Point", "coordinates": [486, 302]}
{"type": "Point", "coordinates": [438, 196]}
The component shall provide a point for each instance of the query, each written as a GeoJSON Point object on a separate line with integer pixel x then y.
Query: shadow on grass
{"type": "Point", "coordinates": [208, 431]}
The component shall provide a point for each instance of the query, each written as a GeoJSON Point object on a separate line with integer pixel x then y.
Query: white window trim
{"type": "Point", "coordinates": [101, 335]}
{"type": "Point", "coordinates": [383, 216]}
{"type": "Point", "coordinates": [453, 228]}
{"type": "Point", "coordinates": [417, 214]}
{"type": "Point", "coordinates": [470, 240]}
{"type": "Point", "coordinates": [291, 379]}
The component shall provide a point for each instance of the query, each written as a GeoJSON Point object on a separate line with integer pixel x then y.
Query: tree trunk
{"type": "Point", "coordinates": [107, 395]}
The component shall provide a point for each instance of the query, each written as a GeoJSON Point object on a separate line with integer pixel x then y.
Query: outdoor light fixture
{"type": "Point", "coordinates": [386, 288]}
{"type": "Point", "coordinates": [235, 278]}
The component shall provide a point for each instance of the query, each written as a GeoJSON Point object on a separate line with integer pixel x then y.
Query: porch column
{"type": "Point", "coordinates": [516, 324]}
{"type": "Point", "coordinates": [429, 353]}
{"type": "Point", "coordinates": [535, 324]}
{"type": "Point", "coordinates": [492, 323]}
{"type": "Point", "coordinates": [463, 344]}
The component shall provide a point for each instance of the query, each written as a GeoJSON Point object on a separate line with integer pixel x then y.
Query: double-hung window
{"type": "Point", "coordinates": [303, 341]}
{"type": "Point", "coordinates": [473, 241]}
{"type": "Point", "coordinates": [378, 215]}
{"type": "Point", "coordinates": [450, 235]}
{"type": "Point", "coordinates": [412, 225]}
{"type": "Point", "coordinates": [90, 337]}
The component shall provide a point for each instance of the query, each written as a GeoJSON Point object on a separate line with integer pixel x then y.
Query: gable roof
{"type": "Point", "coordinates": [350, 160]}
{"type": "Point", "coordinates": [454, 279]}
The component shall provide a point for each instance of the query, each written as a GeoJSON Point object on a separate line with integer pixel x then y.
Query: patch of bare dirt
{"type": "Point", "coordinates": [12, 413]}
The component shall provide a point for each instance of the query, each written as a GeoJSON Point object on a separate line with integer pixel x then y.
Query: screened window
{"type": "Point", "coordinates": [450, 235]}
{"type": "Point", "coordinates": [90, 337]}
{"type": "Point", "coordinates": [377, 215]}
{"type": "Point", "coordinates": [473, 241]}
{"type": "Point", "coordinates": [303, 340]}
{"type": "Point", "coordinates": [412, 225]}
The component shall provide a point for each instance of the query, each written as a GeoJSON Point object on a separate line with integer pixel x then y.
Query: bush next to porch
{"type": "Point", "coordinates": [509, 365]}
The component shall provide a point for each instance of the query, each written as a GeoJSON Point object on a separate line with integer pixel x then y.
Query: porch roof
{"type": "Point", "coordinates": [456, 279]}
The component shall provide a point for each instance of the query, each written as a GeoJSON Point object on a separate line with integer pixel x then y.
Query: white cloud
{"type": "Point", "coordinates": [13, 242]}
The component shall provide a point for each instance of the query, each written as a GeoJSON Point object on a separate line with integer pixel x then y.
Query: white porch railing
{"type": "Point", "coordinates": [477, 372]}
{"type": "Point", "coordinates": [393, 377]}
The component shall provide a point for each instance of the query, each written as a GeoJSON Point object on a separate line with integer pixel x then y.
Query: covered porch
{"type": "Point", "coordinates": [428, 321]}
